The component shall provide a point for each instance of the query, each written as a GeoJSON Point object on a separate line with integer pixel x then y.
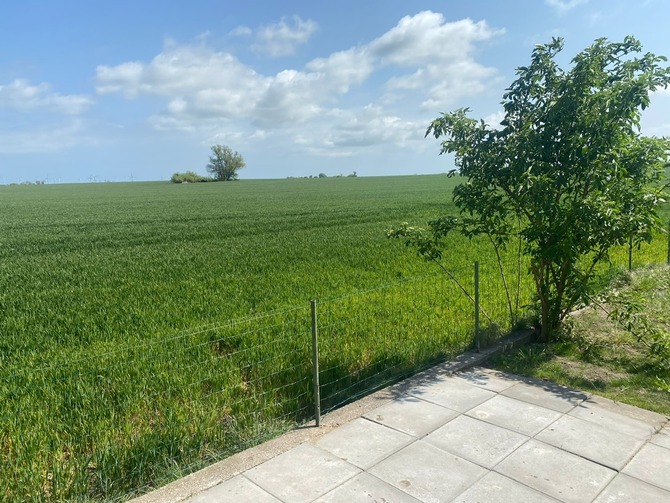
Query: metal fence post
{"type": "Point", "coordinates": [477, 341]}
{"type": "Point", "coordinates": [315, 364]}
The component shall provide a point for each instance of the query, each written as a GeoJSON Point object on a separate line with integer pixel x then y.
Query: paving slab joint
{"type": "Point", "coordinates": [236, 464]}
{"type": "Point", "coordinates": [514, 340]}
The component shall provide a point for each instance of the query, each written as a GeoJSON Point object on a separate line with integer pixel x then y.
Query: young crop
{"type": "Point", "coordinates": [148, 329]}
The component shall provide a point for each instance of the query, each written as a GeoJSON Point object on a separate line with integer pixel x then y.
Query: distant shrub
{"type": "Point", "coordinates": [190, 177]}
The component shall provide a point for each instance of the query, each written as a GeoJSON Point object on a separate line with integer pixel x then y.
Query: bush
{"type": "Point", "coordinates": [189, 177]}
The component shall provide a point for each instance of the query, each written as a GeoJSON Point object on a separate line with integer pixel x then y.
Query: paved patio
{"type": "Point", "coordinates": [476, 436]}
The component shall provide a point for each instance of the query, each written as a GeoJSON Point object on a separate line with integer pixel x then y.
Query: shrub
{"type": "Point", "coordinates": [189, 177]}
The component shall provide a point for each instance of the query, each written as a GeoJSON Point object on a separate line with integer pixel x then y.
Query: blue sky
{"type": "Point", "coordinates": [136, 90]}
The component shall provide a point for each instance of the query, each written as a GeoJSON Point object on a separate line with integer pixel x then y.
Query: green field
{"type": "Point", "coordinates": [147, 329]}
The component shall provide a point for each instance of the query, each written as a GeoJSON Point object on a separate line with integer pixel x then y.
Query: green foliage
{"type": "Point", "coordinates": [635, 308]}
{"type": "Point", "coordinates": [567, 174]}
{"type": "Point", "coordinates": [189, 177]}
{"type": "Point", "coordinates": [224, 163]}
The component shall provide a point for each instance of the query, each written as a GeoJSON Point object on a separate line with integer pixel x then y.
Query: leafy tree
{"type": "Point", "coordinates": [567, 174]}
{"type": "Point", "coordinates": [224, 163]}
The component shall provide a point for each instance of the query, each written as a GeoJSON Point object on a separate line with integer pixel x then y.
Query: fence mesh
{"type": "Point", "coordinates": [104, 422]}
{"type": "Point", "coordinates": [130, 418]}
{"type": "Point", "coordinates": [506, 295]}
{"type": "Point", "coordinates": [374, 338]}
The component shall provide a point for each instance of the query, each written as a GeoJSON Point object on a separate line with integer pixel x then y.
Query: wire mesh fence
{"type": "Point", "coordinates": [506, 295]}
{"type": "Point", "coordinates": [633, 256]}
{"type": "Point", "coordinates": [103, 426]}
{"type": "Point", "coordinates": [105, 422]}
{"type": "Point", "coordinates": [417, 322]}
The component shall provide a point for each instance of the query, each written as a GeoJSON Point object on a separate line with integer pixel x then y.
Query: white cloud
{"type": "Point", "coordinates": [346, 133]}
{"type": "Point", "coordinates": [447, 83]}
{"type": "Point", "coordinates": [371, 126]}
{"type": "Point", "coordinates": [440, 52]}
{"type": "Point", "coordinates": [290, 97]}
{"type": "Point", "coordinates": [341, 70]}
{"type": "Point", "coordinates": [241, 31]}
{"type": "Point", "coordinates": [44, 140]}
{"type": "Point", "coordinates": [427, 37]}
{"type": "Point", "coordinates": [282, 38]}
{"type": "Point", "coordinates": [193, 77]}
{"type": "Point", "coordinates": [201, 83]}
{"type": "Point", "coordinates": [494, 119]}
{"type": "Point", "coordinates": [563, 6]}
{"type": "Point", "coordinates": [167, 123]}
{"type": "Point", "coordinates": [23, 96]}
{"type": "Point", "coordinates": [259, 134]}
{"type": "Point", "coordinates": [124, 78]}
{"type": "Point", "coordinates": [428, 62]}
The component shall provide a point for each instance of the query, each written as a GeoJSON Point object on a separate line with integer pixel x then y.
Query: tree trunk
{"type": "Point", "coordinates": [539, 271]}
{"type": "Point", "coordinates": [545, 321]}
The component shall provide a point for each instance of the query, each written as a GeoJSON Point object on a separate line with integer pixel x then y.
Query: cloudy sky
{"type": "Point", "coordinates": [136, 90]}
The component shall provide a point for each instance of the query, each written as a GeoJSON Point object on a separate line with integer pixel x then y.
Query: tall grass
{"type": "Point", "coordinates": [147, 329]}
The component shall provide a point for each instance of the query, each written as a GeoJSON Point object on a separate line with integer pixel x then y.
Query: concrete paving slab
{"type": "Point", "coordinates": [546, 394]}
{"type": "Point", "coordinates": [483, 443]}
{"type": "Point", "coordinates": [492, 380]}
{"type": "Point", "coordinates": [179, 490]}
{"type": "Point", "coordinates": [452, 392]}
{"type": "Point", "coordinates": [494, 487]}
{"type": "Point", "coordinates": [365, 488]}
{"type": "Point", "coordinates": [625, 489]}
{"type": "Point", "coordinates": [467, 360]}
{"type": "Point", "coordinates": [302, 474]}
{"type": "Point", "coordinates": [651, 464]}
{"type": "Point", "coordinates": [557, 473]}
{"type": "Point", "coordinates": [589, 440]}
{"type": "Point", "coordinates": [363, 443]}
{"type": "Point", "coordinates": [412, 415]}
{"type": "Point", "coordinates": [239, 489]}
{"type": "Point", "coordinates": [428, 473]}
{"type": "Point", "coordinates": [293, 468]}
{"type": "Point", "coordinates": [516, 415]}
{"type": "Point", "coordinates": [620, 417]}
{"type": "Point", "coordinates": [662, 438]}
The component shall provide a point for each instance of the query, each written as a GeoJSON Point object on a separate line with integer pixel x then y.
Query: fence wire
{"type": "Point", "coordinates": [376, 338]}
{"type": "Point", "coordinates": [105, 426]}
{"type": "Point", "coordinates": [105, 422]}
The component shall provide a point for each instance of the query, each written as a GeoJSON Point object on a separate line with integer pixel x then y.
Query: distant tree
{"type": "Point", "coordinates": [224, 163]}
{"type": "Point", "coordinates": [323, 175]}
{"type": "Point", "coordinates": [567, 174]}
